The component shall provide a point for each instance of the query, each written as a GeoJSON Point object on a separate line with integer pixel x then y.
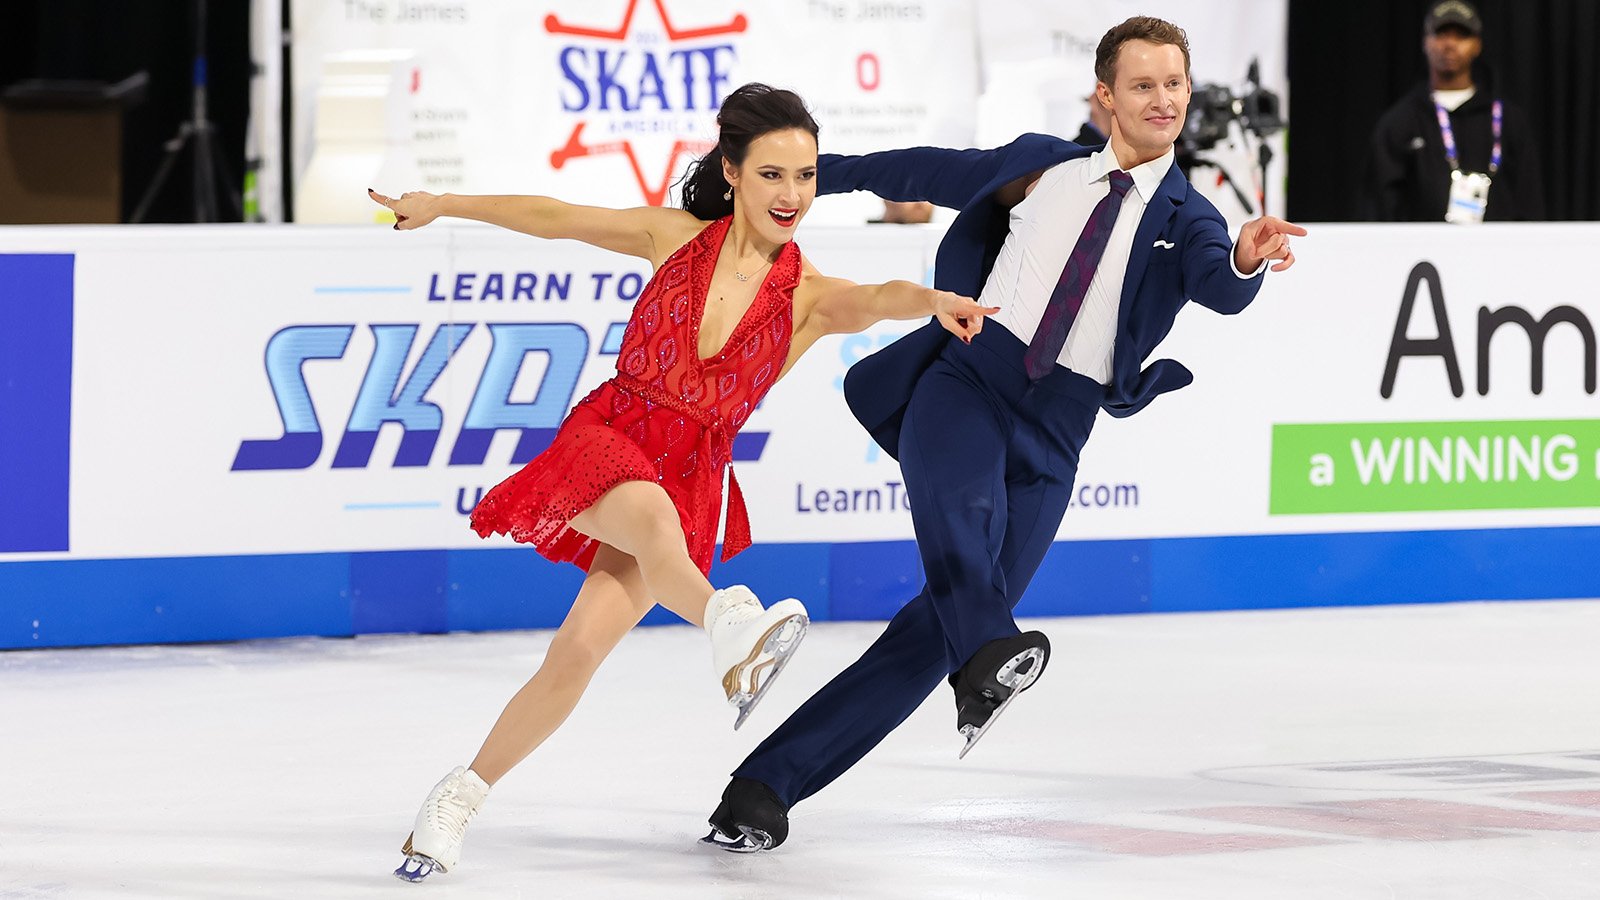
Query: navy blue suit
{"type": "Point", "coordinates": [988, 455]}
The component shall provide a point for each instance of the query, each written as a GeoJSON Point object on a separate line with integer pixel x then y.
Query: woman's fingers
{"type": "Point", "coordinates": [958, 326]}
{"type": "Point", "coordinates": [400, 219]}
{"type": "Point", "coordinates": [966, 306]}
{"type": "Point", "coordinates": [963, 316]}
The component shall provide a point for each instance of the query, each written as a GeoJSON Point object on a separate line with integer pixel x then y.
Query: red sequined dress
{"type": "Point", "coordinates": [667, 416]}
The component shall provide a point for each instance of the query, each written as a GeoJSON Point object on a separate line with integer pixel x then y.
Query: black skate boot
{"type": "Point", "coordinates": [992, 678]}
{"type": "Point", "coordinates": [749, 818]}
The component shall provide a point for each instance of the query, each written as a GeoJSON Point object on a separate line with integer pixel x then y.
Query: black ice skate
{"type": "Point", "coordinates": [992, 678]}
{"type": "Point", "coordinates": [749, 818]}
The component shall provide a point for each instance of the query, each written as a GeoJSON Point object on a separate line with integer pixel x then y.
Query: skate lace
{"type": "Point", "coordinates": [452, 811]}
{"type": "Point", "coordinates": [740, 613]}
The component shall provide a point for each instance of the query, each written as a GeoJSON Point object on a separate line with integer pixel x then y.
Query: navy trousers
{"type": "Point", "coordinates": [989, 460]}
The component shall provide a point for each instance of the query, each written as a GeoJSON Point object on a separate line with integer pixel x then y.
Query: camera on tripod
{"type": "Point", "coordinates": [1214, 107]}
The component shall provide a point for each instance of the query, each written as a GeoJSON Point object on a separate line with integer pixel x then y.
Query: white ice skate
{"type": "Point", "coordinates": [751, 645]}
{"type": "Point", "coordinates": [435, 841]}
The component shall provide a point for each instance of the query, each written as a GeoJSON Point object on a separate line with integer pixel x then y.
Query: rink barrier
{"type": "Point", "coordinates": [189, 599]}
{"type": "Point", "coordinates": [192, 440]}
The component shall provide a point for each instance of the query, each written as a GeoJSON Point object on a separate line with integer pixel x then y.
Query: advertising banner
{"type": "Point", "coordinates": [282, 390]}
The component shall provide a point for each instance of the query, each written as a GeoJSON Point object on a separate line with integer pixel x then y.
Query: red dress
{"type": "Point", "coordinates": [667, 416]}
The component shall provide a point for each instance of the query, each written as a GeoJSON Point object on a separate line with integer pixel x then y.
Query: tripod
{"type": "Point", "coordinates": [208, 158]}
{"type": "Point", "coordinates": [1260, 117]}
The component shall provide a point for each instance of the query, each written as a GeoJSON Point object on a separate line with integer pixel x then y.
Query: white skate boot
{"type": "Point", "coordinates": [751, 645]}
{"type": "Point", "coordinates": [435, 841]}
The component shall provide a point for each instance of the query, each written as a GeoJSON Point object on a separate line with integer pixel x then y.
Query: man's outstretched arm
{"type": "Point", "coordinates": [949, 178]}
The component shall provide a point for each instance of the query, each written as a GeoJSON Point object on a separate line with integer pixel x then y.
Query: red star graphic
{"type": "Point", "coordinates": [655, 196]}
{"type": "Point", "coordinates": [553, 26]}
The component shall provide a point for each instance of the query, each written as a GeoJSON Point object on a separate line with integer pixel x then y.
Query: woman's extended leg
{"type": "Point", "coordinates": [611, 601]}
{"type": "Point", "coordinates": [749, 645]}
{"type": "Point", "coordinates": [639, 519]}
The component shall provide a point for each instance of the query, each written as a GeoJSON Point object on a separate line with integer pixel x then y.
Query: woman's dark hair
{"type": "Point", "coordinates": [748, 113]}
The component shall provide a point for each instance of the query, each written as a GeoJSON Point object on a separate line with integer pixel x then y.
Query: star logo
{"type": "Point", "coordinates": [656, 93]}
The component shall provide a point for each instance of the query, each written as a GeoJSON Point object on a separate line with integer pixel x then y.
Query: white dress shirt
{"type": "Point", "coordinates": [1044, 228]}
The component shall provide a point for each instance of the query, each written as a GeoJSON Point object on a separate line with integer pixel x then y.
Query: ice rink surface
{"type": "Point", "coordinates": [1398, 752]}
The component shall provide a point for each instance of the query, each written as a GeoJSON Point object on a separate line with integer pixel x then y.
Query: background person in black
{"type": "Point", "coordinates": [1097, 128]}
{"type": "Point", "coordinates": [1409, 170]}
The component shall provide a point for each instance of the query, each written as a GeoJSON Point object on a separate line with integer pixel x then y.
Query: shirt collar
{"type": "Point", "coordinates": [1147, 177]}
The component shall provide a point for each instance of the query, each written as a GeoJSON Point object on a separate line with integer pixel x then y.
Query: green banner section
{"type": "Point", "coordinates": [1417, 466]}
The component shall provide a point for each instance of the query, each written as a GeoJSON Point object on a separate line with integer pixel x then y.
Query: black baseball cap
{"type": "Point", "coordinates": [1459, 13]}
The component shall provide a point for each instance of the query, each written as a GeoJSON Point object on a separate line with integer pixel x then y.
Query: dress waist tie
{"type": "Point", "coordinates": [717, 442]}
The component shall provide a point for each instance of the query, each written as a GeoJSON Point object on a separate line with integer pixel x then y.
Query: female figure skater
{"type": "Point", "coordinates": [630, 489]}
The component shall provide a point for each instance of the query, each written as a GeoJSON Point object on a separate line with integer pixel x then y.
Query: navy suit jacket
{"type": "Point", "coordinates": [1157, 283]}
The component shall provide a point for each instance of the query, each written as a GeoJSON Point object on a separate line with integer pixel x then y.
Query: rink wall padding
{"type": "Point", "coordinates": [131, 601]}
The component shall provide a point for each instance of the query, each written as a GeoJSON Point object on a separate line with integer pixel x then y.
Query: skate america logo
{"type": "Point", "coordinates": [388, 395]}
{"type": "Point", "coordinates": [653, 99]}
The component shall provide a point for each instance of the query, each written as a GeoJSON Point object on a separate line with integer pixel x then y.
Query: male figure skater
{"type": "Point", "coordinates": [988, 435]}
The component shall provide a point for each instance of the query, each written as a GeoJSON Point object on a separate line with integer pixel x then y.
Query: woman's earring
{"type": "Point", "coordinates": [728, 194]}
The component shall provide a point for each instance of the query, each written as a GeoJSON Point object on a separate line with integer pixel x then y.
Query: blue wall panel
{"type": "Point", "coordinates": [82, 602]}
{"type": "Point", "coordinates": [209, 598]}
{"type": "Point", "coordinates": [36, 296]}
{"type": "Point", "coordinates": [401, 590]}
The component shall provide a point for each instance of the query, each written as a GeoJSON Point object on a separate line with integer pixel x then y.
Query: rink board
{"type": "Point", "coordinates": [232, 432]}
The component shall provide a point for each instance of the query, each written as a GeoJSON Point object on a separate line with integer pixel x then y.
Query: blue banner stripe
{"type": "Point", "coordinates": [361, 289]}
{"type": "Point", "coordinates": [83, 602]}
{"type": "Point", "coordinates": [36, 296]}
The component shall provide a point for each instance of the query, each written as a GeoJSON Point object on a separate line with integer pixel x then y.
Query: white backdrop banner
{"type": "Point", "coordinates": [606, 101]}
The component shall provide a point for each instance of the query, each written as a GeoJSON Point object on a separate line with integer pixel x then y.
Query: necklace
{"type": "Point", "coordinates": [743, 277]}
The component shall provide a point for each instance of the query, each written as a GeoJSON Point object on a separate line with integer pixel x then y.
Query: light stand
{"type": "Point", "coordinates": [207, 159]}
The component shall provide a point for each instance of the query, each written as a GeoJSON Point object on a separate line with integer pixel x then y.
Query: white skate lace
{"type": "Point", "coordinates": [451, 811]}
{"type": "Point", "coordinates": [740, 612]}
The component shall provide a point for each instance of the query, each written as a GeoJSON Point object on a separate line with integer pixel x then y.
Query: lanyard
{"type": "Point", "coordinates": [1450, 138]}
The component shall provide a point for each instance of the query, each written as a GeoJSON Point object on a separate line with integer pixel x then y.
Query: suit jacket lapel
{"type": "Point", "coordinates": [1157, 213]}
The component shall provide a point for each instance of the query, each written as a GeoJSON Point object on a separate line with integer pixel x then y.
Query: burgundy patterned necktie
{"type": "Point", "coordinates": [1073, 284]}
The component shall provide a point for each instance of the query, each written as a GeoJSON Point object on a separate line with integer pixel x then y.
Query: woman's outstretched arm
{"type": "Point", "coordinates": [826, 306]}
{"type": "Point", "coordinates": [650, 232]}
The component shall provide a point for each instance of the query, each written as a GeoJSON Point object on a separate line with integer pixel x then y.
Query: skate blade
{"type": "Point", "coordinates": [975, 733]}
{"type": "Point", "coordinates": [751, 840]}
{"type": "Point", "coordinates": [780, 645]}
{"type": "Point", "coordinates": [416, 867]}
{"type": "Point", "coordinates": [1017, 682]}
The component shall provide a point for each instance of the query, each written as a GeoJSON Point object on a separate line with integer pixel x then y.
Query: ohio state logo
{"type": "Point", "coordinates": [645, 90]}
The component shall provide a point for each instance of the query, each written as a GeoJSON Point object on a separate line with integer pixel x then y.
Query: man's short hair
{"type": "Point", "coordinates": [1138, 28]}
